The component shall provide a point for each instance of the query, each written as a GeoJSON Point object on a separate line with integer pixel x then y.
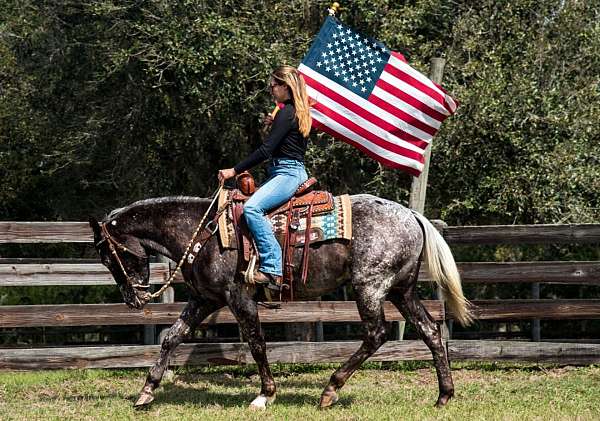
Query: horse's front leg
{"type": "Point", "coordinates": [194, 312]}
{"type": "Point", "coordinates": [246, 312]}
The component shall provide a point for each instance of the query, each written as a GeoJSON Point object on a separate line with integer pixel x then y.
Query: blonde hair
{"type": "Point", "coordinates": [293, 79]}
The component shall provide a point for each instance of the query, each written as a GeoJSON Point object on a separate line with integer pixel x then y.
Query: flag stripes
{"type": "Point", "coordinates": [371, 98]}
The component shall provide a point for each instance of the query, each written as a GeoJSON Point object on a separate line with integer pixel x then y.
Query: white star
{"type": "Point", "coordinates": [328, 69]}
{"type": "Point", "coordinates": [344, 71]}
{"type": "Point", "coordinates": [342, 63]}
{"type": "Point", "coordinates": [374, 45]}
{"type": "Point", "coordinates": [356, 36]}
{"type": "Point", "coordinates": [324, 54]}
{"type": "Point", "coordinates": [319, 64]}
{"type": "Point", "coordinates": [326, 61]}
{"type": "Point", "coordinates": [348, 31]}
{"type": "Point", "coordinates": [338, 50]}
{"type": "Point", "coordinates": [371, 61]}
{"type": "Point", "coordinates": [340, 27]}
{"type": "Point", "coordinates": [360, 50]}
{"type": "Point", "coordinates": [363, 89]}
{"type": "Point", "coordinates": [347, 55]}
{"type": "Point", "coordinates": [352, 77]}
{"type": "Point", "coordinates": [369, 79]}
{"type": "Point", "coordinates": [336, 43]}
{"type": "Point", "coordinates": [360, 74]}
{"type": "Point", "coordinates": [356, 59]}
{"type": "Point", "coordinates": [365, 64]}
{"type": "Point", "coordinates": [335, 66]}
{"type": "Point", "coordinates": [345, 47]}
{"type": "Point", "coordinates": [354, 52]}
{"type": "Point", "coordinates": [337, 73]}
{"type": "Point", "coordinates": [373, 69]}
{"type": "Point", "coordinates": [379, 60]}
{"type": "Point", "coordinates": [354, 84]}
{"type": "Point", "coordinates": [362, 82]}
{"type": "Point", "coordinates": [363, 57]}
{"type": "Point", "coordinates": [351, 45]}
{"type": "Point", "coordinates": [357, 67]}
{"type": "Point", "coordinates": [334, 35]}
{"type": "Point", "coordinates": [370, 54]}
{"type": "Point", "coordinates": [346, 79]}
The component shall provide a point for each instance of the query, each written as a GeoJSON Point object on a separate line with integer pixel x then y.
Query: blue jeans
{"type": "Point", "coordinates": [285, 176]}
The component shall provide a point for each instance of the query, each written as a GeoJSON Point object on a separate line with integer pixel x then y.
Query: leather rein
{"type": "Point", "coordinates": [113, 245]}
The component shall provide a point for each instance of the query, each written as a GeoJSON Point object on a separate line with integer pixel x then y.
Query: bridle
{"type": "Point", "coordinates": [113, 245]}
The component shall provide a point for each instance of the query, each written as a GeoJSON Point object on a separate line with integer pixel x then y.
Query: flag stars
{"type": "Point", "coordinates": [354, 84]}
{"type": "Point", "coordinates": [363, 89]}
{"type": "Point", "coordinates": [379, 60]}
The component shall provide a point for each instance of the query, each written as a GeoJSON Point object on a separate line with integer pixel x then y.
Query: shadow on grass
{"type": "Point", "coordinates": [177, 394]}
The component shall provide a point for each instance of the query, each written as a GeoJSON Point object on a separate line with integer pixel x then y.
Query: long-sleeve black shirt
{"type": "Point", "coordinates": [284, 141]}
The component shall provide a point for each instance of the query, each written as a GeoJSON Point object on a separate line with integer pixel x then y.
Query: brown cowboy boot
{"type": "Point", "coordinates": [268, 280]}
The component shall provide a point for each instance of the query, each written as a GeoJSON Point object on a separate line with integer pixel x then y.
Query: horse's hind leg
{"type": "Point", "coordinates": [371, 312]}
{"type": "Point", "coordinates": [413, 311]}
{"type": "Point", "coordinates": [246, 313]}
{"type": "Point", "coordinates": [194, 312]}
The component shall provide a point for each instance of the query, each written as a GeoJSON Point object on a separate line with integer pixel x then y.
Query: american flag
{"type": "Point", "coordinates": [369, 97]}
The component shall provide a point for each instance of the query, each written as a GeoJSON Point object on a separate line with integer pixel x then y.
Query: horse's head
{"type": "Point", "coordinates": [126, 259]}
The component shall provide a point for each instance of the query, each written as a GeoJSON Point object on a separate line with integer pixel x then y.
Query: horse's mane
{"type": "Point", "coordinates": [154, 201]}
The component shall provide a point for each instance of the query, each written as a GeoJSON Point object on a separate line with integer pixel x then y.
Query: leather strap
{"type": "Point", "coordinates": [307, 243]}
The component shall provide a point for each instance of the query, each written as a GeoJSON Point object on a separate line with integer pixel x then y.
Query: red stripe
{"type": "Point", "coordinates": [414, 82]}
{"type": "Point", "coordinates": [384, 161]}
{"type": "Point", "coordinates": [411, 100]}
{"type": "Point", "coordinates": [365, 134]}
{"type": "Point", "coordinates": [364, 113]}
{"type": "Point", "coordinates": [399, 56]}
{"type": "Point", "coordinates": [392, 109]}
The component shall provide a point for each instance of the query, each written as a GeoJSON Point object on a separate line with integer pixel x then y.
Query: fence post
{"type": "Point", "coordinates": [418, 188]}
{"type": "Point", "coordinates": [168, 296]}
{"type": "Point", "coordinates": [536, 334]}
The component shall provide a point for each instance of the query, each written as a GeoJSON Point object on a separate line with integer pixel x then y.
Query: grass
{"type": "Point", "coordinates": [398, 391]}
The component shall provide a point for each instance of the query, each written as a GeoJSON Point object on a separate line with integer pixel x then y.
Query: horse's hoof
{"type": "Point", "coordinates": [443, 400]}
{"type": "Point", "coordinates": [328, 399]}
{"type": "Point", "coordinates": [260, 402]}
{"type": "Point", "coordinates": [144, 400]}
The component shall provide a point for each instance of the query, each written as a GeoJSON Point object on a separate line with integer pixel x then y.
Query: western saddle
{"type": "Point", "coordinates": [305, 203]}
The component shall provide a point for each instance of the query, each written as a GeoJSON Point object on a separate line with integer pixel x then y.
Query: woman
{"type": "Point", "coordinates": [284, 147]}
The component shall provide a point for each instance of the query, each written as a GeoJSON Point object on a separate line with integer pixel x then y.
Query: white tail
{"type": "Point", "coordinates": [442, 268]}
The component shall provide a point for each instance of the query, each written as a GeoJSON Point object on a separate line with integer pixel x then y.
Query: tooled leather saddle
{"type": "Point", "coordinates": [305, 203]}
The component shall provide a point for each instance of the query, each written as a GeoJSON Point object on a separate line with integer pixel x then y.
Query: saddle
{"type": "Point", "coordinates": [305, 203]}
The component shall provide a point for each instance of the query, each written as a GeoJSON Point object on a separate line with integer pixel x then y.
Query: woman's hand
{"type": "Point", "coordinates": [268, 120]}
{"type": "Point", "coordinates": [225, 174]}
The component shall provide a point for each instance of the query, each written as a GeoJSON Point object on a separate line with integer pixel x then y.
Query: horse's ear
{"type": "Point", "coordinates": [95, 227]}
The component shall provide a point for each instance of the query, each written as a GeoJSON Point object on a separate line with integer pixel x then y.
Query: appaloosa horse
{"type": "Point", "coordinates": [381, 262]}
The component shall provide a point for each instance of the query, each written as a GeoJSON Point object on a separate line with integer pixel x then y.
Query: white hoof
{"type": "Point", "coordinates": [261, 402]}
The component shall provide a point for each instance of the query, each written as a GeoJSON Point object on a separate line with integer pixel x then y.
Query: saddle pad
{"type": "Point", "coordinates": [327, 226]}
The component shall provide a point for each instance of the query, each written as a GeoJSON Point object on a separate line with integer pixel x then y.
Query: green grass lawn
{"type": "Point", "coordinates": [398, 391]}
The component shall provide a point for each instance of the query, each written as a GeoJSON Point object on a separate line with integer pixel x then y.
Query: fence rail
{"type": "Point", "coordinates": [127, 356]}
{"type": "Point", "coordinates": [75, 273]}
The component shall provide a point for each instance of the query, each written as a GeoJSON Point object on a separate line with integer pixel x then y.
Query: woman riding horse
{"type": "Point", "coordinates": [285, 147]}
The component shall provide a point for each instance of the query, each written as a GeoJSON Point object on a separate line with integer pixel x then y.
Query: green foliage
{"type": "Point", "coordinates": [104, 102]}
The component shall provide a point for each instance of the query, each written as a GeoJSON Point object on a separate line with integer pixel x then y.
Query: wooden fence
{"type": "Point", "coordinates": [49, 272]}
